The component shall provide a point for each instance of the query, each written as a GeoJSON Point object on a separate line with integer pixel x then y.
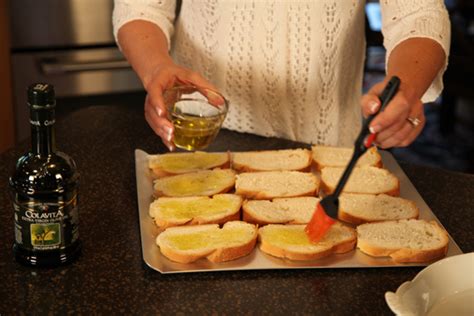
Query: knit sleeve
{"type": "Point", "coordinates": [404, 19]}
{"type": "Point", "coordinates": [159, 12]}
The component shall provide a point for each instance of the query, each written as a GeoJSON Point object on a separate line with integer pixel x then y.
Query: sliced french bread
{"type": "Point", "coordinates": [200, 183]}
{"type": "Point", "coordinates": [178, 163]}
{"type": "Point", "coordinates": [369, 180]}
{"type": "Point", "coordinates": [195, 210]}
{"type": "Point", "coordinates": [327, 156]}
{"type": "Point", "coordinates": [187, 244]}
{"type": "Point", "coordinates": [404, 240]}
{"type": "Point", "coordinates": [364, 208]}
{"type": "Point", "coordinates": [266, 185]}
{"type": "Point", "coordinates": [272, 160]}
{"type": "Point", "coordinates": [291, 241]}
{"type": "Point", "coordinates": [296, 210]}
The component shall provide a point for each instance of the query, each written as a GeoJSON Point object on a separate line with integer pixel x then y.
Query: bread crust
{"type": "Point", "coordinates": [403, 255]}
{"type": "Point", "coordinates": [341, 247]}
{"type": "Point", "coordinates": [181, 257]}
{"type": "Point", "coordinates": [407, 255]}
{"type": "Point", "coordinates": [233, 215]}
{"type": "Point", "coordinates": [215, 255]}
{"type": "Point", "coordinates": [292, 255]}
{"type": "Point", "coordinates": [232, 253]}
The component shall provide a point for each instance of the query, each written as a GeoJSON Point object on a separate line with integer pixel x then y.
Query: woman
{"type": "Point", "coordinates": [292, 69]}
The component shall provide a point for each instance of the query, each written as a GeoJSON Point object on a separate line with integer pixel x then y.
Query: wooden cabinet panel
{"type": "Point", "coordinates": [7, 137]}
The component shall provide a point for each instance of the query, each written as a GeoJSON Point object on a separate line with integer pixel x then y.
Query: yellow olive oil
{"type": "Point", "coordinates": [197, 160]}
{"type": "Point", "coordinates": [212, 239]}
{"type": "Point", "coordinates": [194, 208]}
{"type": "Point", "coordinates": [291, 237]}
{"type": "Point", "coordinates": [195, 132]}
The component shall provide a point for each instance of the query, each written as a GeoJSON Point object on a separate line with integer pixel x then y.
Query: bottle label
{"type": "Point", "coordinates": [43, 226]}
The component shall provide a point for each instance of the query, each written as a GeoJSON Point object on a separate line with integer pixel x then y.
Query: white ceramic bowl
{"type": "Point", "coordinates": [445, 287]}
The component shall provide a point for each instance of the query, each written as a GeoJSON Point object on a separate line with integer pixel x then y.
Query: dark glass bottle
{"type": "Point", "coordinates": [44, 188]}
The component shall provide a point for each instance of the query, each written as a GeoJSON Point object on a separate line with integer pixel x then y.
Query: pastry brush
{"type": "Point", "coordinates": [326, 211]}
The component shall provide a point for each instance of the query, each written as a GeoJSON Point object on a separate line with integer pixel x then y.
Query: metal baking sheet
{"type": "Point", "coordinates": [258, 260]}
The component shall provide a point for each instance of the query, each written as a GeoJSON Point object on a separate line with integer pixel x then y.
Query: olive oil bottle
{"type": "Point", "coordinates": [44, 189]}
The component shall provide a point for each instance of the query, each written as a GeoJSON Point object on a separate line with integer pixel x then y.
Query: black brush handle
{"type": "Point", "coordinates": [385, 97]}
{"type": "Point", "coordinates": [360, 144]}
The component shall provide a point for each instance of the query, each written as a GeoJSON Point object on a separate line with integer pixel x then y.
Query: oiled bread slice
{"type": "Point", "coordinates": [327, 156]}
{"type": "Point", "coordinates": [200, 183]}
{"type": "Point", "coordinates": [404, 240]}
{"type": "Point", "coordinates": [178, 163]}
{"type": "Point", "coordinates": [296, 210]}
{"type": "Point", "coordinates": [291, 241]}
{"type": "Point", "coordinates": [266, 185]}
{"type": "Point", "coordinates": [363, 208]}
{"type": "Point", "coordinates": [272, 160]}
{"type": "Point", "coordinates": [369, 180]}
{"type": "Point", "coordinates": [187, 244]}
{"type": "Point", "coordinates": [195, 210]}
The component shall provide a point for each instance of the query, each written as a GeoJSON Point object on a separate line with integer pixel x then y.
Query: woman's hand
{"type": "Point", "coordinates": [402, 120]}
{"type": "Point", "coordinates": [164, 76]}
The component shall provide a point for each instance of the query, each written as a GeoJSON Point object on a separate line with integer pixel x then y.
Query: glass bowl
{"type": "Point", "coordinates": [197, 115]}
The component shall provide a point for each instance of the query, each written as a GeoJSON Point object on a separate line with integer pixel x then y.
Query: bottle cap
{"type": "Point", "coordinates": [41, 96]}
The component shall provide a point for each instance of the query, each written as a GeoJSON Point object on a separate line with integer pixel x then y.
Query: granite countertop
{"type": "Point", "coordinates": [111, 276]}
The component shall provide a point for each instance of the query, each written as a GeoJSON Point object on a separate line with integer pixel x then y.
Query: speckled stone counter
{"type": "Point", "coordinates": [111, 278]}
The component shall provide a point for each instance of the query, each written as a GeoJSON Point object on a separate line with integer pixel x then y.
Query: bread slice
{"type": "Point", "coordinates": [195, 210]}
{"type": "Point", "coordinates": [271, 184]}
{"type": "Point", "coordinates": [297, 210]}
{"type": "Point", "coordinates": [200, 183]}
{"type": "Point", "coordinates": [363, 208]}
{"type": "Point", "coordinates": [187, 244]}
{"type": "Point", "coordinates": [327, 156]}
{"type": "Point", "coordinates": [404, 240]}
{"type": "Point", "coordinates": [178, 163]}
{"type": "Point", "coordinates": [291, 241]}
{"type": "Point", "coordinates": [369, 180]}
{"type": "Point", "coordinates": [272, 160]}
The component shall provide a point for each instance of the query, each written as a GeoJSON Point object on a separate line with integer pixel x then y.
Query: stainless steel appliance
{"type": "Point", "coordinates": [68, 43]}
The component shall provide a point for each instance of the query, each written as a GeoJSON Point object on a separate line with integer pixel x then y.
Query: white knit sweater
{"type": "Point", "coordinates": [291, 69]}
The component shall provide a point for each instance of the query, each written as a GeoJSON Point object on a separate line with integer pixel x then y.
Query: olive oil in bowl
{"type": "Point", "coordinates": [195, 132]}
{"type": "Point", "coordinates": [196, 121]}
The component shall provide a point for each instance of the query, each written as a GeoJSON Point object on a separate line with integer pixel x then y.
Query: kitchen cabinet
{"type": "Point", "coordinates": [7, 137]}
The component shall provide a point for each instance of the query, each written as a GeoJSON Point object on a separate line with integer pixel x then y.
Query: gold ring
{"type": "Point", "coordinates": [414, 121]}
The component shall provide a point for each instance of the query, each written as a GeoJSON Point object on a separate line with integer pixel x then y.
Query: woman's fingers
{"type": "Point", "coordinates": [370, 102]}
{"type": "Point", "coordinates": [403, 133]}
{"type": "Point", "coordinates": [159, 123]}
{"type": "Point", "coordinates": [163, 78]}
{"type": "Point", "coordinates": [396, 111]}
{"type": "Point", "coordinates": [391, 125]}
